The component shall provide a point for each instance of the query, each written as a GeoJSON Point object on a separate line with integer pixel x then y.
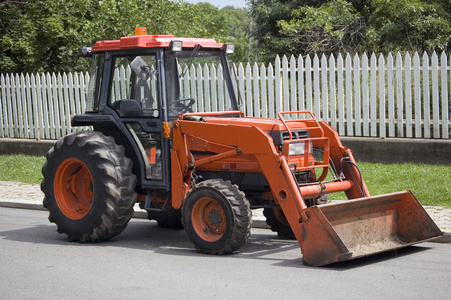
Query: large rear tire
{"type": "Point", "coordinates": [217, 217]}
{"type": "Point", "coordinates": [88, 187]}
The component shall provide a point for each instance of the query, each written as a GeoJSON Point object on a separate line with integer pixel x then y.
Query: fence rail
{"type": "Point", "coordinates": [377, 96]}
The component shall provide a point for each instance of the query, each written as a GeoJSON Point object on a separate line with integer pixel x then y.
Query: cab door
{"type": "Point", "coordinates": [135, 96]}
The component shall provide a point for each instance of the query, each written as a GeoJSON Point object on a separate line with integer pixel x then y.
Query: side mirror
{"type": "Point", "coordinates": [86, 51]}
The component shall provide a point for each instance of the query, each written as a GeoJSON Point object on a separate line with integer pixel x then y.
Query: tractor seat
{"type": "Point", "coordinates": [128, 108]}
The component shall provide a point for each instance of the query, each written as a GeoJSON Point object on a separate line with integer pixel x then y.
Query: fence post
{"type": "Point", "coordinates": [34, 108]}
{"type": "Point", "coordinates": [241, 94]}
{"type": "Point", "coordinates": [399, 96]}
{"type": "Point", "coordinates": [426, 97]}
{"type": "Point", "coordinates": [324, 90]}
{"type": "Point", "coordinates": [263, 92]}
{"type": "Point", "coordinates": [333, 92]}
{"type": "Point", "coordinates": [357, 98]}
{"type": "Point", "coordinates": [271, 100]}
{"type": "Point", "coordinates": [373, 92]}
{"type": "Point", "coordinates": [3, 111]}
{"type": "Point", "coordinates": [308, 83]}
{"type": "Point", "coordinates": [365, 97]}
{"type": "Point", "coordinates": [285, 85]}
{"type": "Point", "coordinates": [381, 63]}
{"type": "Point", "coordinates": [349, 110]}
{"type": "Point", "coordinates": [445, 94]}
{"type": "Point", "coordinates": [435, 97]}
{"type": "Point", "coordinates": [341, 96]}
{"type": "Point", "coordinates": [301, 83]}
{"type": "Point", "coordinates": [417, 94]}
{"type": "Point", "coordinates": [278, 86]}
{"type": "Point", "coordinates": [293, 85]}
{"type": "Point", "coordinates": [391, 96]}
{"type": "Point", "coordinates": [408, 94]}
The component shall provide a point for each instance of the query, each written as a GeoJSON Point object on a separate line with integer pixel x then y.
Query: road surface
{"type": "Point", "coordinates": [147, 262]}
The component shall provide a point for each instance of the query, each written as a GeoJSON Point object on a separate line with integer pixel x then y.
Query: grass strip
{"type": "Point", "coordinates": [22, 168]}
{"type": "Point", "coordinates": [431, 184]}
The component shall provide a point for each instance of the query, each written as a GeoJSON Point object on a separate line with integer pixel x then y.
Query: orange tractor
{"type": "Point", "coordinates": [202, 165]}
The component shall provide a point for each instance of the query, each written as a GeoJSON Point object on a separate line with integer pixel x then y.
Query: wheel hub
{"type": "Point", "coordinates": [214, 218]}
{"type": "Point", "coordinates": [73, 188]}
{"type": "Point", "coordinates": [209, 219]}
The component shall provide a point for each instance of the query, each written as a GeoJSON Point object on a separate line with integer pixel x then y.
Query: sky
{"type": "Point", "coordinates": [221, 3]}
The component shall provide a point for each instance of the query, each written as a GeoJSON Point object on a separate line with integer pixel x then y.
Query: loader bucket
{"type": "Point", "coordinates": [361, 227]}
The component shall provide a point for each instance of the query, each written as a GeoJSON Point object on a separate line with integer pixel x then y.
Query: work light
{"type": "Point", "coordinates": [298, 148]}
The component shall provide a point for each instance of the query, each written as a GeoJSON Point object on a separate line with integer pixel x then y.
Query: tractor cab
{"type": "Point", "coordinates": [142, 83]}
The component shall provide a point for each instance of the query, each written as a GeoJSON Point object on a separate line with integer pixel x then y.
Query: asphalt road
{"type": "Point", "coordinates": [147, 262]}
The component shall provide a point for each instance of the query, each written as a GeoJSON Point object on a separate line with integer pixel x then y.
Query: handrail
{"type": "Point", "coordinates": [298, 112]}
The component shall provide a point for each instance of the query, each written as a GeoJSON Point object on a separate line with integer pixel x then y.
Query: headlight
{"type": "Point", "coordinates": [175, 46]}
{"type": "Point", "coordinates": [297, 148]}
{"type": "Point", "coordinates": [228, 48]}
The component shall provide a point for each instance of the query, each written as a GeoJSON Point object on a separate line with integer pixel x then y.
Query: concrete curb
{"type": "Point", "coordinates": [21, 204]}
{"type": "Point", "coordinates": [257, 222]}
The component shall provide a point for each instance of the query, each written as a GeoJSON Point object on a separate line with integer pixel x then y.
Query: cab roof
{"type": "Point", "coordinates": [153, 41]}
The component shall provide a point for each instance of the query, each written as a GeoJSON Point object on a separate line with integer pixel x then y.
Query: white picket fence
{"type": "Point", "coordinates": [377, 96]}
{"type": "Point", "coordinates": [40, 106]}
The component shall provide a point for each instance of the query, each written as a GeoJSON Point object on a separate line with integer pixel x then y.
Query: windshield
{"type": "Point", "coordinates": [198, 81]}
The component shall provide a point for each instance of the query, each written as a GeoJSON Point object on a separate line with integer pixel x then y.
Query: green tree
{"type": "Point", "coordinates": [265, 15]}
{"type": "Point", "coordinates": [332, 27]}
{"type": "Point", "coordinates": [42, 35]}
{"type": "Point", "coordinates": [228, 24]}
{"type": "Point", "coordinates": [46, 35]}
{"type": "Point", "coordinates": [409, 25]}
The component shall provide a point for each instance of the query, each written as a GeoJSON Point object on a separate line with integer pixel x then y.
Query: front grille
{"type": "Point", "coordinates": [296, 135]}
{"type": "Point", "coordinates": [280, 136]}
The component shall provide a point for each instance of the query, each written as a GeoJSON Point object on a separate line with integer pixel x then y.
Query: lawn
{"type": "Point", "coordinates": [429, 183]}
{"type": "Point", "coordinates": [21, 168]}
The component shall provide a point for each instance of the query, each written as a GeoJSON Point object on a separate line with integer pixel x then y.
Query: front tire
{"type": "Point", "coordinates": [88, 187]}
{"type": "Point", "coordinates": [276, 219]}
{"type": "Point", "coordinates": [217, 217]}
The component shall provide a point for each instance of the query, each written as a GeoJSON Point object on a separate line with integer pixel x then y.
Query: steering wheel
{"type": "Point", "coordinates": [181, 107]}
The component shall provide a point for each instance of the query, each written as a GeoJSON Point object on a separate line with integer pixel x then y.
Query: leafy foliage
{"type": "Point", "coordinates": [46, 35]}
{"type": "Point", "coordinates": [409, 25]}
{"type": "Point", "coordinates": [332, 26]}
{"type": "Point", "coordinates": [42, 35]}
{"type": "Point", "coordinates": [265, 16]}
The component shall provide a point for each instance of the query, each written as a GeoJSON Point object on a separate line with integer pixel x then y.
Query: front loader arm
{"type": "Point", "coordinates": [258, 147]}
{"type": "Point", "coordinates": [275, 168]}
{"type": "Point", "coordinates": [250, 142]}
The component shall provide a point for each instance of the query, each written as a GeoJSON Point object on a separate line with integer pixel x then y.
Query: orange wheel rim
{"type": "Point", "coordinates": [208, 219]}
{"type": "Point", "coordinates": [73, 188]}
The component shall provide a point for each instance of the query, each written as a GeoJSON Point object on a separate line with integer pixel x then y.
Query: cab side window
{"type": "Point", "coordinates": [134, 91]}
